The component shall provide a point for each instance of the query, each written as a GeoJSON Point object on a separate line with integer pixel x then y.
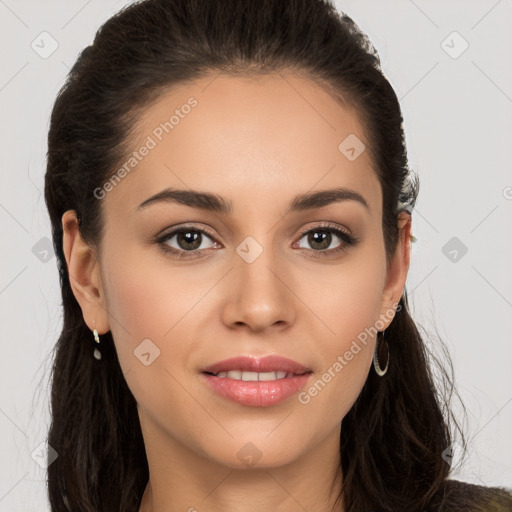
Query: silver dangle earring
{"type": "Point", "coordinates": [380, 372]}
{"type": "Point", "coordinates": [97, 353]}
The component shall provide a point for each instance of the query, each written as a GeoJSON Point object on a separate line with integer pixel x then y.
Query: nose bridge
{"type": "Point", "coordinates": [260, 296]}
{"type": "Point", "coordinates": [257, 266]}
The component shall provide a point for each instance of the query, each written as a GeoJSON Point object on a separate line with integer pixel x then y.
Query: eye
{"type": "Point", "coordinates": [320, 239]}
{"type": "Point", "coordinates": [188, 240]}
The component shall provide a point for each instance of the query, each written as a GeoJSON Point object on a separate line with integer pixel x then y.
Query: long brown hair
{"type": "Point", "coordinates": [394, 436]}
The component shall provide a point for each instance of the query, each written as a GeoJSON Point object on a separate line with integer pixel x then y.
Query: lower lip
{"type": "Point", "coordinates": [256, 393]}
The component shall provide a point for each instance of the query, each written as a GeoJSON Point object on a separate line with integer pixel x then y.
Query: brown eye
{"type": "Point", "coordinates": [320, 239]}
{"type": "Point", "coordinates": [188, 240]}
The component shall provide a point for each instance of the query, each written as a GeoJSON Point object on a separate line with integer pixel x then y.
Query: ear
{"type": "Point", "coordinates": [84, 275]}
{"type": "Point", "coordinates": [398, 269]}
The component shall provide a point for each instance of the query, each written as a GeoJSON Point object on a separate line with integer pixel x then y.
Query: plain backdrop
{"type": "Point", "coordinates": [449, 63]}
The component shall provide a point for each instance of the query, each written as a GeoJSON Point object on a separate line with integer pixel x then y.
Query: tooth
{"type": "Point", "coordinates": [268, 376]}
{"type": "Point", "coordinates": [254, 376]}
{"type": "Point", "coordinates": [250, 376]}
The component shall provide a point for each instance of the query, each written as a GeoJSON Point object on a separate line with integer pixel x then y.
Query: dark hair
{"type": "Point", "coordinates": [393, 438]}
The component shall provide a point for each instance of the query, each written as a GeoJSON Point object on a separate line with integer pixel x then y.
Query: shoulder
{"type": "Point", "coordinates": [457, 496]}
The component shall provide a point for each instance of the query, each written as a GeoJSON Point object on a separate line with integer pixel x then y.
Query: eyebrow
{"type": "Point", "coordinates": [215, 203]}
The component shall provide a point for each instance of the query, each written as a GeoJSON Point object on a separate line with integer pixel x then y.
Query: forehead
{"type": "Point", "coordinates": [260, 135]}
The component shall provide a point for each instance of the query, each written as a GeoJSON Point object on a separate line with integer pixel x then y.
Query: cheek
{"type": "Point", "coordinates": [153, 310]}
{"type": "Point", "coordinates": [150, 307]}
{"type": "Point", "coordinates": [348, 300]}
{"type": "Point", "coordinates": [147, 298]}
{"type": "Point", "coordinates": [349, 308]}
{"type": "Point", "coordinates": [346, 361]}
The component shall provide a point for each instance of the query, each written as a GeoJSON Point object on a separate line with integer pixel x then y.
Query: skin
{"type": "Point", "coordinates": [258, 143]}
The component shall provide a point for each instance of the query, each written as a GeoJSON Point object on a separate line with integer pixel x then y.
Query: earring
{"type": "Point", "coordinates": [380, 372]}
{"type": "Point", "coordinates": [97, 353]}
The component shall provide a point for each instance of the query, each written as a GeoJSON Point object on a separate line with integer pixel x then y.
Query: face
{"type": "Point", "coordinates": [183, 287]}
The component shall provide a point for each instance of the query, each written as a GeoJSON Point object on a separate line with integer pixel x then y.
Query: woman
{"type": "Point", "coordinates": [231, 207]}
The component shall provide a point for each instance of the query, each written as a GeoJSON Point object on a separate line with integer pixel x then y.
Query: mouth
{"type": "Point", "coordinates": [258, 382]}
{"type": "Point", "coordinates": [255, 376]}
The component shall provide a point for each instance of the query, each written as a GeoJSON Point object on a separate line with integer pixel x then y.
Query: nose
{"type": "Point", "coordinates": [260, 295]}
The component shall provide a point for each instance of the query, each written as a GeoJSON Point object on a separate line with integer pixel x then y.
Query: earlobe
{"type": "Point", "coordinates": [84, 274]}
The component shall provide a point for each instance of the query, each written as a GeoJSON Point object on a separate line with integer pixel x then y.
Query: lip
{"type": "Point", "coordinates": [270, 363]}
{"type": "Point", "coordinates": [257, 393]}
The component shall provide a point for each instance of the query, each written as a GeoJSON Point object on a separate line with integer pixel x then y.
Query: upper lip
{"type": "Point", "coordinates": [271, 363]}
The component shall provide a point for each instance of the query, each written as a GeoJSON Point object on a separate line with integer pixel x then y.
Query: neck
{"type": "Point", "coordinates": [186, 482]}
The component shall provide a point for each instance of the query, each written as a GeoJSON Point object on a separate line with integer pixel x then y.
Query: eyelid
{"type": "Point", "coordinates": [325, 225]}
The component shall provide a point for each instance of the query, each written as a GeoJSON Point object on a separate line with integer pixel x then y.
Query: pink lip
{"type": "Point", "coordinates": [270, 363]}
{"type": "Point", "coordinates": [257, 393]}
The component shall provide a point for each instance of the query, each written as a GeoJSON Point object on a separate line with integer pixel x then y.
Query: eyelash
{"type": "Point", "coordinates": [349, 240]}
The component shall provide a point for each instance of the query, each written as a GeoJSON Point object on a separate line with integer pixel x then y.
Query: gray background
{"type": "Point", "coordinates": [457, 107]}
